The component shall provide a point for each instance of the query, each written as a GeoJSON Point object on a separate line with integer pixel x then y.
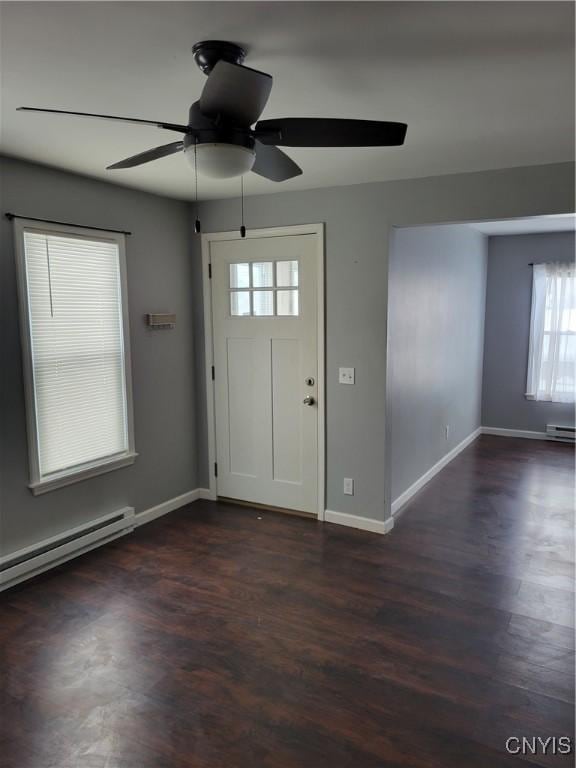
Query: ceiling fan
{"type": "Point", "coordinates": [219, 139]}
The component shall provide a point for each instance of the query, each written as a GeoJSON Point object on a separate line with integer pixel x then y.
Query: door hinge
{"type": "Point", "coordinates": [210, 271]}
{"type": "Point", "coordinates": [213, 373]}
{"type": "Point", "coordinates": [215, 469]}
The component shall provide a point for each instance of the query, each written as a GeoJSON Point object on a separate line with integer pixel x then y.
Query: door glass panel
{"type": "Point", "coordinates": [287, 302]}
{"type": "Point", "coordinates": [240, 303]}
{"type": "Point", "coordinates": [286, 273]}
{"type": "Point", "coordinates": [262, 275]}
{"type": "Point", "coordinates": [240, 275]}
{"type": "Point", "coordinates": [263, 302]}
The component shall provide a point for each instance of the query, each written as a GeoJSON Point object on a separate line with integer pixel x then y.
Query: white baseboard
{"type": "Point", "coordinates": [399, 503]}
{"type": "Point", "coordinates": [67, 551]}
{"type": "Point", "coordinates": [169, 506]}
{"type": "Point", "coordinates": [354, 521]}
{"type": "Point", "coordinates": [405, 497]}
{"type": "Point", "coordinates": [514, 433]}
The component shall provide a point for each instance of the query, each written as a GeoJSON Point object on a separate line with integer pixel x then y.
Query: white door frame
{"type": "Point", "coordinates": [299, 229]}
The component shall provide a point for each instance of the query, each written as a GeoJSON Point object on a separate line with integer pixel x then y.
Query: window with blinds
{"type": "Point", "coordinates": [75, 335]}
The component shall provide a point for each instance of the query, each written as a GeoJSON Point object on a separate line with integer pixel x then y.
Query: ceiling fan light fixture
{"type": "Point", "coordinates": [219, 160]}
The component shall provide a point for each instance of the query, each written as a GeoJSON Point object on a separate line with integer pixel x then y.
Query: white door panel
{"type": "Point", "coordinates": [287, 410]}
{"type": "Point", "coordinates": [265, 328]}
{"type": "Point", "coordinates": [241, 362]}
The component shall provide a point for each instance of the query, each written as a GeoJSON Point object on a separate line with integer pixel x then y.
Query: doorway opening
{"type": "Point", "coordinates": [460, 333]}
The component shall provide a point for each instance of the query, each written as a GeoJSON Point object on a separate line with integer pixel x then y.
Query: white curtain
{"type": "Point", "coordinates": [552, 356]}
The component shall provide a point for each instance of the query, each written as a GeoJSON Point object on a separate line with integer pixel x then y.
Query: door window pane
{"type": "Point", "coordinates": [286, 273]}
{"type": "Point", "coordinates": [262, 274]}
{"type": "Point", "coordinates": [240, 275]}
{"type": "Point", "coordinates": [287, 302]}
{"type": "Point", "coordinates": [240, 303]}
{"type": "Point", "coordinates": [263, 302]}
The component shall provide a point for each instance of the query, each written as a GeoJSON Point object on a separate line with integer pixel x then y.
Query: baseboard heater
{"type": "Point", "coordinates": [30, 561]}
{"type": "Point", "coordinates": [556, 432]}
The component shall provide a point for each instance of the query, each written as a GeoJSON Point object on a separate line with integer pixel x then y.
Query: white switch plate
{"type": "Point", "coordinates": [346, 376]}
{"type": "Point", "coordinates": [349, 486]}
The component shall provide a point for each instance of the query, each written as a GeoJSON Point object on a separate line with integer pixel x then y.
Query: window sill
{"type": "Point", "coordinates": [59, 481]}
{"type": "Point", "coordinates": [535, 399]}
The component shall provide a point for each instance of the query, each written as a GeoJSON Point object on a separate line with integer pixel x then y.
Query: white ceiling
{"type": "Point", "coordinates": [481, 84]}
{"type": "Point", "coordinates": [529, 226]}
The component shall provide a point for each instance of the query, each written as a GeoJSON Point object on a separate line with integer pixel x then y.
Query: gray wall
{"type": "Point", "coordinates": [508, 304]}
{"type": "Point", "coordinates": [358, 223]}
{"type": "Point", "coordinates": [436, 300]}
{"type": "Point", "coordinates": [164, 270]}
{"type": "Point", "coordinates": [159, 279]}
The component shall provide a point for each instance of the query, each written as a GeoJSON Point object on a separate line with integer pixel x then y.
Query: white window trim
{"type": "Point", "coordinates": [39, 484]}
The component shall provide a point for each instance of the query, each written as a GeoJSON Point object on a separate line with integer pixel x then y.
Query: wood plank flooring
{"type": "Point", "coordinates": [224, 637]}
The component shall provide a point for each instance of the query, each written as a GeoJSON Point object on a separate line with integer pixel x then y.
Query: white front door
{"type": "Point", "coordinates": [265, 337]}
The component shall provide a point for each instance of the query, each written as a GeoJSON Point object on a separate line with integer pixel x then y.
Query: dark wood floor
{"type": "Point", "coordinates": [220, 637]}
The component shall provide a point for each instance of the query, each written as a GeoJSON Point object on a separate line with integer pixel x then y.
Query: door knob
{"type": "Point", "coordinates": [308, 400]}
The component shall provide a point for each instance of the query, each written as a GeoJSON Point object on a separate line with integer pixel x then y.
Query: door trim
{"type": "Point", "coordinates": [298, 229]}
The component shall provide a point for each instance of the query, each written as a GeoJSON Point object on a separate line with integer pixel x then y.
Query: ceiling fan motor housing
{"type": "Point", "coordinates": [209, 129]}
{"type": "Point", "coordinates": [217, 149]}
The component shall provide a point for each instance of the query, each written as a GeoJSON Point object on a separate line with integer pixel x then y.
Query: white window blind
{"type": "Point", "coordinates": [552, 355]}
{"type": "Point", "coordinates": [77, 355]}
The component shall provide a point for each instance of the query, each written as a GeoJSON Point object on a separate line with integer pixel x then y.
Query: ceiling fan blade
{"type": "Point", "coordinates": [327, 132]}
{"type": "Point", "coordinates": [274, 164]}
{"type": "Point", "coordinates": [239, 94]}
{"type": "Point", "coordinates": [167, 126]}
{"type": "Point", "coordinates": [148, 156]}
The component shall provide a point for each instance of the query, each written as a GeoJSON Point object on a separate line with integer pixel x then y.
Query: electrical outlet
{"type": "Point", "coordinates": [349, 486]}
{"type": "Point", "coordinates": [447, 431]}
{"type": "Point", "coordinates": [346, 375]}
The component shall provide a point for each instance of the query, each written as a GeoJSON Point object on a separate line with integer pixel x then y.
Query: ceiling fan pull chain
{"type": "Point", "coordinates": [197, 227]}
{"type": "Point", "coordinates": [242, 227]}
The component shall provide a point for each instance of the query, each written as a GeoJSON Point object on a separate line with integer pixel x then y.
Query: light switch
{"type": "Point", "coordinates": [346, 376]}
